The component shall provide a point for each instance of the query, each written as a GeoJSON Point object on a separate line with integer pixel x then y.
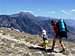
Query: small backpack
{"type": "Point", "coordinates": [61, 25]}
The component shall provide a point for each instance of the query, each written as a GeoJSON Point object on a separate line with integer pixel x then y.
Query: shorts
{"type": "Point", "coordinates": [63, 34]}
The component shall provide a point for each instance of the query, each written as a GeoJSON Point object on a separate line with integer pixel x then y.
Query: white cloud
{"type": "Point", "coordinates": [73, 10]}
{"type": "Point", "coordinates": [65, 12]}
{"type": "Point", "coordinates": [27, 8]}
{"type": "Point", "coordinates": [25, 11]}
{"type": "Point", "coordinates": [28, 11]}
{"type": "Point", "coordinates": [52, 12]}
{"type": "Point", "coordinates": [38, 9]}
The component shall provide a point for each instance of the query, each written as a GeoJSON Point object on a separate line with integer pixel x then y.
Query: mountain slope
{"type": "Point", "coordinates": [13, 43]}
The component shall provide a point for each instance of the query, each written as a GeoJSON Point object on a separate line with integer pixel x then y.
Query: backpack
{"type": "Point", "coordinates": [61, 25]}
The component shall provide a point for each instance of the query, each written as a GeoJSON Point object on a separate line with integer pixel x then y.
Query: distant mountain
{"type": "Point", "coordinates": [25, 21]}
{"type": "Point", "coordinates": [70, 22]}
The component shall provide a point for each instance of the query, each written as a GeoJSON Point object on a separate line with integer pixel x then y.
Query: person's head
{"type": "Point", "coordinates": [53, 22]}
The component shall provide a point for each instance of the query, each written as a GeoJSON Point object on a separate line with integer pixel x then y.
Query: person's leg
{"type": "Point", "coordinates": [62, 45]}
{"type": "Point", "coordinates": [54, 40]}
{"type": "Point", "coordinates": [46, 43]}
{"type": "Point", "coordinates": [43, 41]}
{"type": "Point", "coordinates": [53, 44]}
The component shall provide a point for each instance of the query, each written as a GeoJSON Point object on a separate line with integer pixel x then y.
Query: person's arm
{"type": "Point", "coordinates": [66, 27]}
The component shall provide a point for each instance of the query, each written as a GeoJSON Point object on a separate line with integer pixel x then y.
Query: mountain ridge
{"type": "Point", "coordinates": [27, 22]}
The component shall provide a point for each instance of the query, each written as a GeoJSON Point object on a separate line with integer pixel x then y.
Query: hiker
{"type": "Point", "coordinates": [60, 30]}
{"type": "Point", "coordinates": [44, 36]}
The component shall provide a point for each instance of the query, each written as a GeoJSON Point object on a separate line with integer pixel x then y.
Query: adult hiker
{"type": "Point", "coordinates": [60, 30]}
{"type": "Point", "coordinates": [55, 30]}
{"type": "Point", "coordinates": [45, 37]}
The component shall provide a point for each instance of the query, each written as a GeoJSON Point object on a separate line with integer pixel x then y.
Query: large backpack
{"type": "Point", "coordinates": [61, 25]}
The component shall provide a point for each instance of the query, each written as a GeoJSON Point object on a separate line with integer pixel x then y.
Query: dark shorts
{"type": "Point", "coordinates": [63, 34]}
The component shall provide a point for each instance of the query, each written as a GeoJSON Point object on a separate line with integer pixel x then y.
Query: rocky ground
{"type": "Point", "coordinates": [13, 43]}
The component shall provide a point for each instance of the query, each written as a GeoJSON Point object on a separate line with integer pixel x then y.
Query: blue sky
{"type": "Point", "coordinates": [51, 8]}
